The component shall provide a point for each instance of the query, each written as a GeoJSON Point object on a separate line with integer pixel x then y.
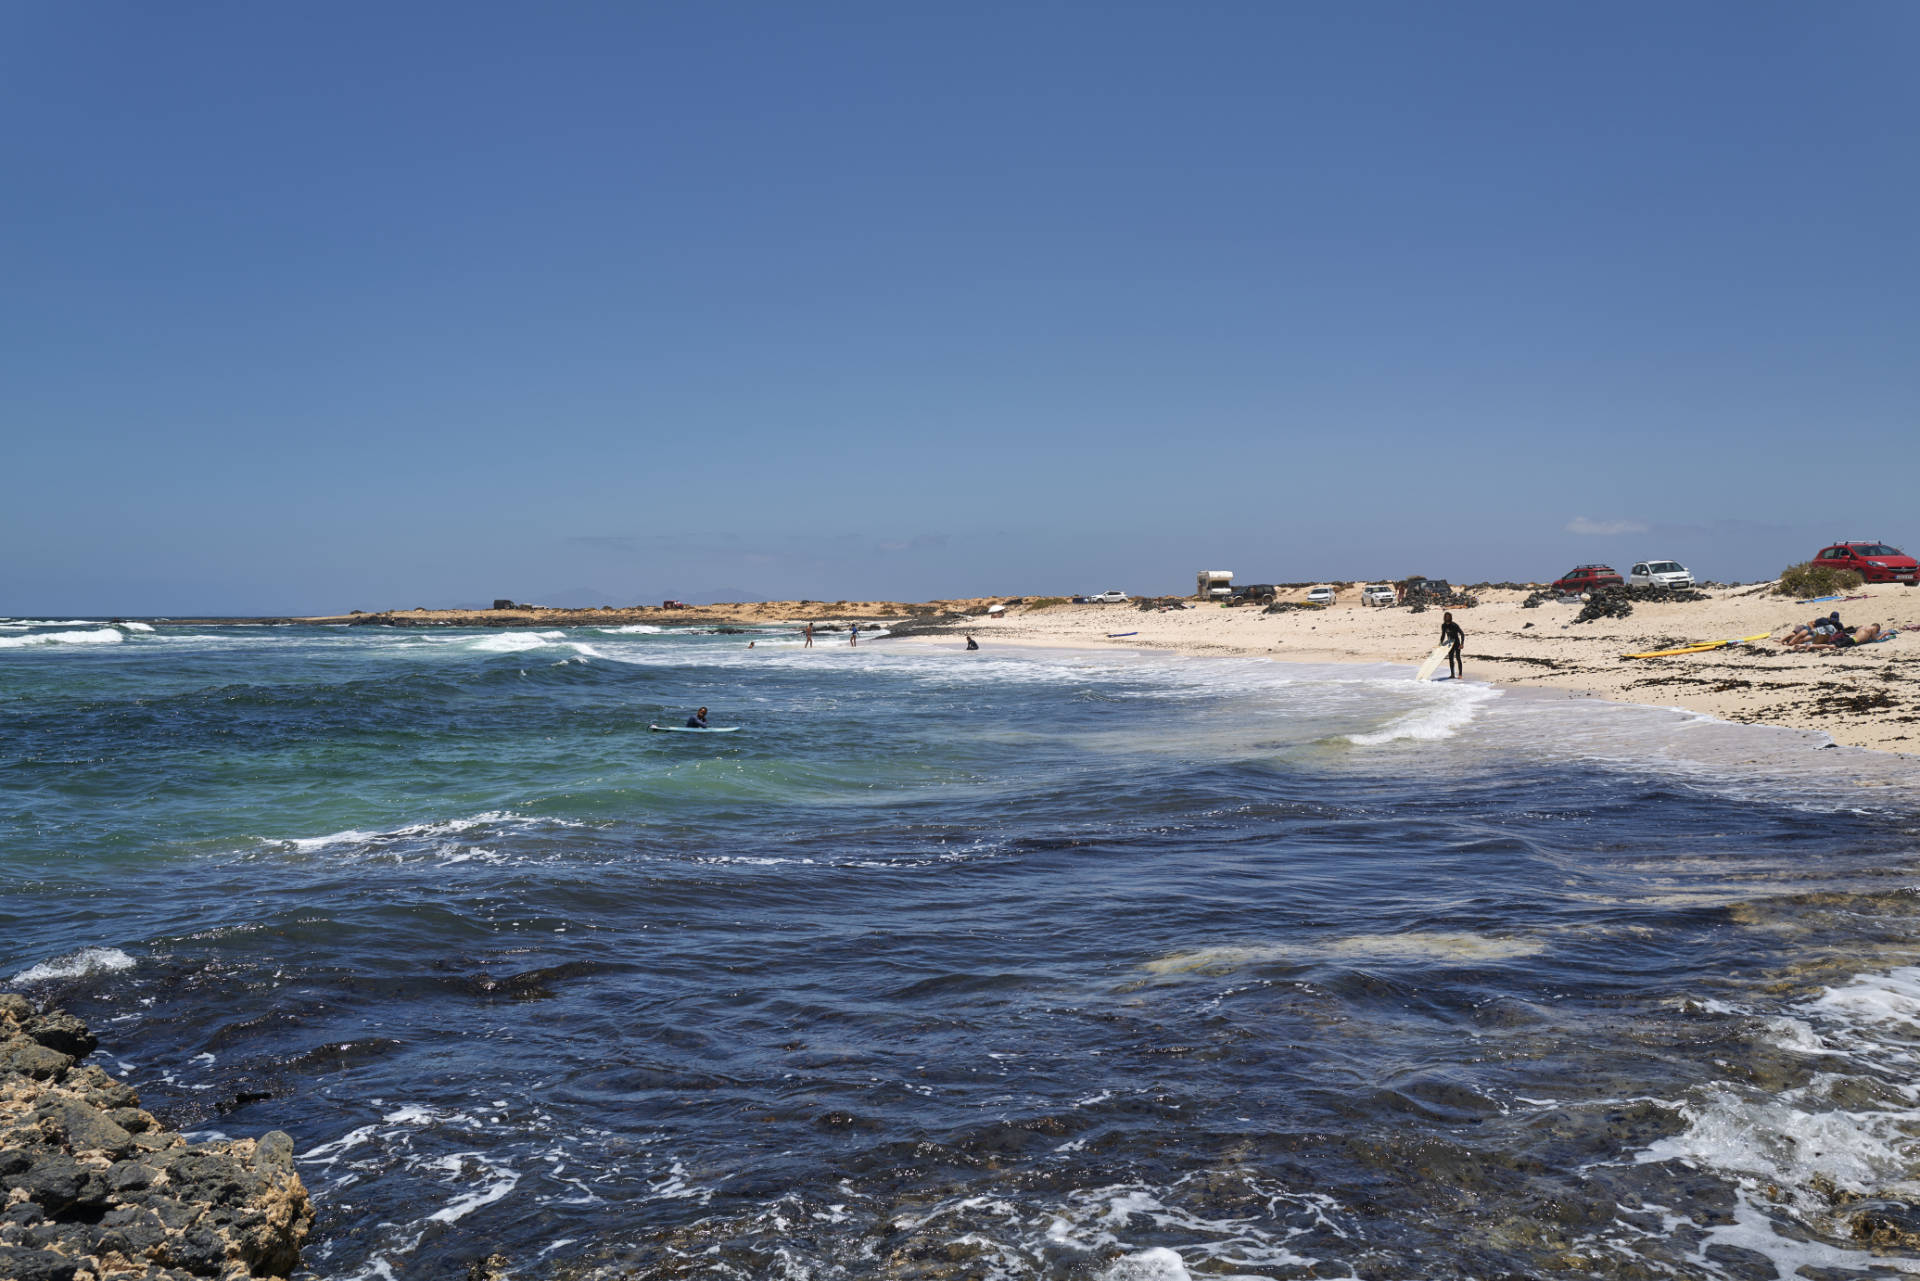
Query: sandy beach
{"type": "Point", "coordinates": [1862, 697]}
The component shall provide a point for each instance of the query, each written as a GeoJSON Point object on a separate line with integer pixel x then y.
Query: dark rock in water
{"type": "Point", "coordinates": [1888, 1225]}
{"type": "Point", "coordinates": [492, 1268]}
{"type": "Point", "coordinates": [93, 1186]}
{"type": "Point", "coordinates": [530, 985]}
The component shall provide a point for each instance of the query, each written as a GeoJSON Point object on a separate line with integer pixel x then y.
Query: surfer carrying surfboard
{"type": "Point", "coordinates": [1453, 638]}
{"type": "Point", "coordinates": [698, 720]}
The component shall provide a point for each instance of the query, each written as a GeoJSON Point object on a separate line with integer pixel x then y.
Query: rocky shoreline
{"type": "Point", "coordinates": [93, 1188]}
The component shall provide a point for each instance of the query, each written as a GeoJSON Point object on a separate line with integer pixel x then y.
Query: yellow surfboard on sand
{"type": "Point", "coordinates": [1701, 648]}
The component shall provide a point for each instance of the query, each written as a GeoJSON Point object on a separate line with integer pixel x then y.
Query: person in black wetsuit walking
{"type": "Point", "coordinates": [1452, 637]}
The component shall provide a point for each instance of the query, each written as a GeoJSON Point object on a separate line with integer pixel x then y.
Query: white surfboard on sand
{"type": "Point", "coordinates": [1432, 665]}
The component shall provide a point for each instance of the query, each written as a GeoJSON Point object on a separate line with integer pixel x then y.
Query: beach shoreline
{"type": "Point", "coordinates": [1861, 697]}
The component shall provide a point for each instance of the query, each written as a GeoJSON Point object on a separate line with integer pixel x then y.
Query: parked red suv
{"type": "Point", "coordinates": [1875, 562]}
{"type": "Point", "coordinates": [1584, 578]}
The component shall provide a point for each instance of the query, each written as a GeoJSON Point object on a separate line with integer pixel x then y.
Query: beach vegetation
{"type": "Point", "coordinates": [1045, 602]}
{"type": "Point", "coordinates": [1809, 579]}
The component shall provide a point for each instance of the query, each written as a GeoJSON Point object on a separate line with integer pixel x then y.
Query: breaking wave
{"type": "Point", "coordinates": [77, 965]}
{"type": "Point", "coordinates": [101, 636]}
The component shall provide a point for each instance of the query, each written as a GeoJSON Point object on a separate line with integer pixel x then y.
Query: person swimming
{"type": "Point", "coordinates": [698, 720]}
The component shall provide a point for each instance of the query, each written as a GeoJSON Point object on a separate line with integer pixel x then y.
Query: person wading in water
{"type": "Point", "coordinates": [1452, 637]}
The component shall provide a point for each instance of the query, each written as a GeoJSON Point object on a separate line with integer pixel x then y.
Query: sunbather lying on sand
{"type": "Point", "coordinates": [1818, 632]}
{"type": "Point", "coordinates": [1838, 640]}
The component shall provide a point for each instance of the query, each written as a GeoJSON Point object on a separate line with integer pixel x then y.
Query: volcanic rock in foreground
{"type": "Point", "coordinates": [94, 1189]}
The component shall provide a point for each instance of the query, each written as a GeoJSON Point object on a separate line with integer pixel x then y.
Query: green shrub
{"type": "Point", "coordinates": [1809, 579]}
{"type": "Point", "coordinates": [1045, 601]}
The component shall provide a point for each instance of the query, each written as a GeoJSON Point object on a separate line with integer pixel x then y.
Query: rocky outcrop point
{"type": "Point", "coordinates": [92, 1188]}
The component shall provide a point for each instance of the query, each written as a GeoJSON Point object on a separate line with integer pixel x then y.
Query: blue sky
{"type": "Point", "coordinates": [328, 307]}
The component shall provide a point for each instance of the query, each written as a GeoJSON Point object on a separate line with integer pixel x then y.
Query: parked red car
{"type": "Point", "coordinates": [1875, 562]}
{"type": "Point", "coordinates": [1584, 578]}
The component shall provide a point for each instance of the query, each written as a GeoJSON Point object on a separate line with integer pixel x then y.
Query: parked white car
{"type": "Point", "coordinates": [1379, 594]}
{"type": "Point", "coordinates": [1112, 596]}
{"type": "Point", "coordinates": [1659, 573]}
{"type": "Point", "coordinates": [1320, 596]}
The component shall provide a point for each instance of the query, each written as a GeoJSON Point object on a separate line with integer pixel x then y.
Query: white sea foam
{"type": "Point", "coordinates": [1795, 1035]}
{"type": "Point", "coordinates": [1884, 1002]}
{"type": "Point", "coordinates": [632, 629]}
{"type": "Point", "coordinates": [514, 642]}
{"type": "Point", "coordinates": [136, 627]}
{"type": "Point", "coordinates": [1156, 1264]}
{"type": "Point", "coordinates": [1784, 1140]}
{"type": "Point", "coordinates": [103, 636]}
{"type": "Point", "coordinates": [1446, 716]}
{"type": "Point", "coordinates": [1852, 1129]}
{"type": "Point", "coordinates": [499, 1181]}
{"type": "Point", "coordinates": [442, 838]}
{"type": "Point", "coordinates": [75, 965]}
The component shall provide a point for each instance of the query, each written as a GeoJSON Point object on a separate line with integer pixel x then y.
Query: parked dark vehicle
{"type": "Point", "coordinates": [1584, 578]}
{"type": "Point", "coordinates": [1421, 586]}
{"type": "Point", "coordinates": [1256, 593]}
{"type": "Point", "coordinates": [1875, 562]}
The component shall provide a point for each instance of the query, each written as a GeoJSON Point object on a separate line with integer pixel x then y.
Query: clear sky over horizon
{"type": "Point", "coordinates": [318, 308]}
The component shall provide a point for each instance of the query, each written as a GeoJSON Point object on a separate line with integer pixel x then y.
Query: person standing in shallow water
{"type": "Point", "coordinates": [809, 644]}
{"type": "Point", "coordinates": [1452, 637]}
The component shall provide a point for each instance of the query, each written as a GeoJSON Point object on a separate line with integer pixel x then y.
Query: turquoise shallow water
{"type": "Point", "coordinates": [993, 965]}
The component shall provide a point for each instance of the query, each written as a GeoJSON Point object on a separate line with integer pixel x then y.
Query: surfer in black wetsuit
{"type": "Point", "coordinates": [1453, 638]}
{"type": "Point", "coordinates": [698, 720]}
{"type": "Point", "coordinates": [972, 643]}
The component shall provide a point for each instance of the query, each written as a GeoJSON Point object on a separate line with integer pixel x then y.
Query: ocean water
{"type": "Point", "coordinates": [948, 965]}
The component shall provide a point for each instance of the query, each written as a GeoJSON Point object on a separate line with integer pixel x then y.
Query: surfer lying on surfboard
{"type": "Point", "coordinates": [698, 720]}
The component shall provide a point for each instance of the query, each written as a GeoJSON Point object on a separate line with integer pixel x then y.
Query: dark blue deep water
{"type": "Point", "coordinates": [970, 966]}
